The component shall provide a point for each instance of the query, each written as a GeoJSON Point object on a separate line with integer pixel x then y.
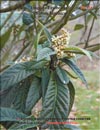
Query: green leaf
{"type": "Point", "coordinates": [27, 19]}
{"type": "Point", "coordinates": [45, 81]}
{"type": "Point", "coordinates": [47, 33]}
{"type": "Point", "coordinates": [15, 97]}
{"type": "Point", "coordinates": [34, 94]}
{"type": "Point", "coordinates": [56, 103]}
{"type": "Point", "coordinates": [45, 52]}
{"type": "Point", "coordinates": [77, 50]}
{"type": "Point", "coordinates": [76, 69]}
{"type": "Point", "coordinates": [38, 65]}
{"type": "Point", "coordinates": [94, 55]}
{"type": "Point", "coordinates": [21, 95]}
{"type": "Point", "coordinates": [41, 46]}
{"type": "Point", "coordinates": [78, 26]}
{"type": "Point", "coordinates": [15, 74]}
{"type": "Point", "coordinates": [36, 40]}
{"type": "Point", "coordinates": [8, 114]}
{"type": "Point", "coordinates": [46, 44]}
{"type": "Point", "coordinates": [71, 75]}
{"type": "Point", "coordinates": [72, 94]}
{"type": "Point", "coordinates": [5, 37]}
{"type": "Point", "coordinates": [24, 126]}
{"type": "Point", "coordinates": [62, 75]}
{"type": "Point", "coordinates": [7, 97]}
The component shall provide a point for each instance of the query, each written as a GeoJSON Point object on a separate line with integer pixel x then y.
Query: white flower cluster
{"type": "Point", "coordinates": [60, 42]}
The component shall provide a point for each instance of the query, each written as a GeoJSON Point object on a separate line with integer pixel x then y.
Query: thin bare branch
{"type": "Point", "coordinates": [64, 19]}
{"type": "Point", "coordinates": [90, 31]}
{"type": "Point", "coordinates": [85, 12]}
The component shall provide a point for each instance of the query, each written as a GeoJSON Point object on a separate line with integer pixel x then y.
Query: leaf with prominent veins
{"type": "Point", "coordinates": [56, 103]}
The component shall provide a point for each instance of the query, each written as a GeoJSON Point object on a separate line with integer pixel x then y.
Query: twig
{"type": "Point", "coordinates": [81, 43]}
{"type": "Point", "coordinates": [85, 27]}
{"type": "Point", "coordinates": [54, 15]}
{"type": "Point", "coordinates": [51, 12]}
{"type": "Point", "coordinates": [94, 48]}
{"type": "Point", "coordinates": [21, 51]}
{"type": "Point", "coordinates": [85, 12]}
{"type": "Point", "coordinates": [86, 44]}
{"type": "Point", "coordinates": [64, 19]}
{"type": "Point", "coordinates": [74, 17]}
{"type": "Point", "coordinates": [16, 57]}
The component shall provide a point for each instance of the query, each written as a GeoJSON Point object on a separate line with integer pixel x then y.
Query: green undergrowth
{"type": "Point", "coordinates": [87, 101]}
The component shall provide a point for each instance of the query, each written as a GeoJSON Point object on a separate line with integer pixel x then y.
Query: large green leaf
{"type": "Point", "coordinates": [45, 81]}
{"type": "Point", "coordinates": [7, 97]}
{"type": "Point", "coordinates": [62, 75]}
{"type": "Point", "coordinates": [15, 74]}
{"type": "Point", "coordinates": [78, 50]}
{"type": "Point", "coordinates": [45, 52]}
{"type": "Point", "coordinates": [5, 37]}
{"type": "Point", "coordinates": [72, 94]}
{"type": "Point", "coordinates": [21, 95]}
{"type": "Point", "coordinates": [76, 69]}
{"type": "Point", "coordinates": [15, 97]}
{"type": "Point", "coordinates": [34, 94]}
{"type": "Point", "coordinates": [8, 114]}
{"type": "Point", "coordinates": [56, 103]}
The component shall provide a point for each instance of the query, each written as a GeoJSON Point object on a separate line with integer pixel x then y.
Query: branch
{"type": "Point", "coordinates": [94, 48]}
{"type": "Point", "coordinates": [64, 19]}
{"type": "Point", "coordinates": [91, 28]}
{"type": "Point", "coordinates": [74, 17]}
{"type": "Point", "coordinates": [14, 7]}
{"type": "Point", "coordinates": [51, 12]}
{"type": "Point", "coordinates": [16, 57]}
{"type": "Point", "coordinates": [21, 51]}
{"type": "Point", "coordinates": [55, 14]}
{"type": "Point", "coordinates": [85, 12]}
{"type": "Point", "coordinates": [81, 43]}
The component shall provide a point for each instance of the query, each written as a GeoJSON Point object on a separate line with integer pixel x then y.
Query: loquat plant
{"type": "Point", "coordinates": [42, 75]}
